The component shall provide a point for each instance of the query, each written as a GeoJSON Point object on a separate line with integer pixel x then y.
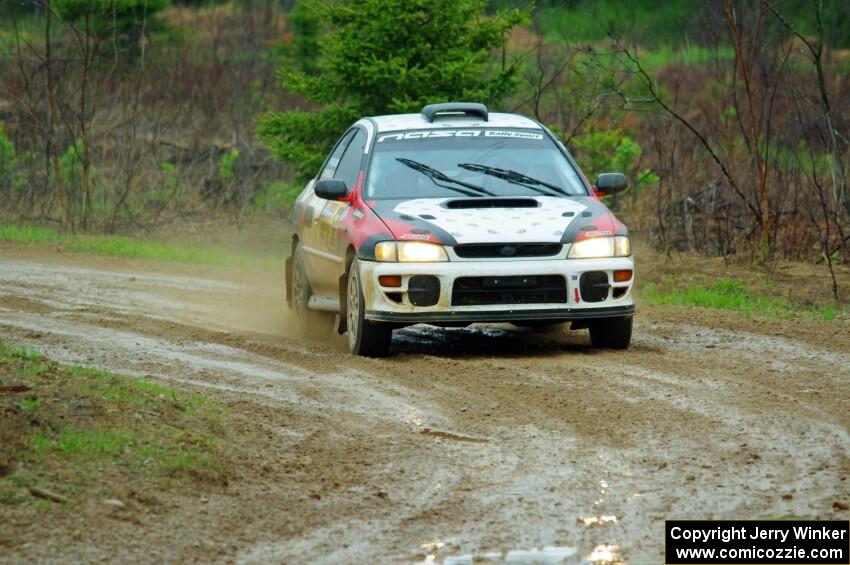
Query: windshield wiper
{"type": "Point", "coordinates": [513, 177]}
{"type": "Point", "coordinates": [435, 175]}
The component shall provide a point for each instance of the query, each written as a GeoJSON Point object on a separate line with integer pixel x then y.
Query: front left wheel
{"type": "Point", "coordinates": [611, 333]}
{"type": "Point", "coordinates": [365, 337]}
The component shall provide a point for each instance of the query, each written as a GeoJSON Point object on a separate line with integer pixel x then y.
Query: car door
{"type": "Point", "coordinates": [333, 240]}
{"type": "Point", "coordinates": [321, 265]}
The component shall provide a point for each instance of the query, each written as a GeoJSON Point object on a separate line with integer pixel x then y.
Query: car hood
{"type": "Point", "coordinates": [541, 219]}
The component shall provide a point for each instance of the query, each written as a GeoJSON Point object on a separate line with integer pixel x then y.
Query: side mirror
{"type": "Point", "coordinates": [610, 183]}
{"type": "Point", "coordinates": [330, 189]}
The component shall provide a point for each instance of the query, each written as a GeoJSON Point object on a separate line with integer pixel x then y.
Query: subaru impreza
{"type": "Point", "coordinates": [454, 216]}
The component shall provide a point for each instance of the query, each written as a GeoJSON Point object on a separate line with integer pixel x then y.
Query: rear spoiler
{"type": "Point", "coordinates": [432, 111]}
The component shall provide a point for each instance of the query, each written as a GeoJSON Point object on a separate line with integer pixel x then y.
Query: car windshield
{"type": "Point", "coordinates": [446, 163]}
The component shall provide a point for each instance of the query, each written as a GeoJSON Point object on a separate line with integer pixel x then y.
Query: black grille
{"type": "Point", "coordinates": [594, 286]}
{"type": "Point", "coordinates": [506, 250]}
{"type": "Point", "coordinates": [524, 289]}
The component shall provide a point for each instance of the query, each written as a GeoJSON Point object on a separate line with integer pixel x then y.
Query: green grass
{"type": "Point", "coordinates": [137, 249]}
{"type": "Point", "coordinates": [81, 428]}
{"type": "Point", "coordinates": [31, 368]}
{"type": "Point", "coordinates": [29, 363]}
{"type": "Point", "coordinates": [132, 248]}
{"type": "Point", "coordinates": [26, 354]}
{"type": "Point", "coordinates": [28, 234]}
{"type": "Point", "coordinates": [663, 32]}
{"type": "Point", "coordinates": [731, 294]}
{"type": "Point", "coordinates": [92, 444]}
{"type": "Point", "coordinates": [652, 23]}
{"type": "Point", "coordinates": [590, 21]}
{"type": "Point", "coordinates": [825, 313]}
{"type": "Point", "coordinates": [134, 393]}
{"type": "Point", "coordinates": [693, 55]}
{"type": "Point", "coordinates": [10, 353]}
{"type": "Point", "coordinates": [30, 404]}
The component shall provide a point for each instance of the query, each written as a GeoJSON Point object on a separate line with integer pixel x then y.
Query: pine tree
{"type": "Point", "coordinates": [390, 56]}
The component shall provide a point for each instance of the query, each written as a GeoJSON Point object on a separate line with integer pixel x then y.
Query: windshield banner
{"type": "Point", "coordinates": [446, 133]}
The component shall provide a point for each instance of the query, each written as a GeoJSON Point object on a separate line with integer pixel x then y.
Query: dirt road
{"type": "Point", "coordinates": [487, 442]}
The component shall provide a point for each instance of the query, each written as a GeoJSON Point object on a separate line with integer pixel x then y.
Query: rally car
{"type": "Point", "coordinates": [456, 216]}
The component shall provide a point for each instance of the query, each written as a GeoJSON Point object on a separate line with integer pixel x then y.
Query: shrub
{"type": "Point", "coordinates": [275, 196]}
{"type": "Point", "coordinates": [603, 151]}
{"type": "Point", "coordinates": [12, 178]}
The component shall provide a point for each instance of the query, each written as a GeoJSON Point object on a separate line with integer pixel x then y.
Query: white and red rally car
{"type": "Point", "coordinates": [455, 216]}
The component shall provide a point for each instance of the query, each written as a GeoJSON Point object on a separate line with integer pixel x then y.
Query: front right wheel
{"type": "Point", "coordinates": [365, 337]}
{"type": "Point", "coordinates": [611, 333]}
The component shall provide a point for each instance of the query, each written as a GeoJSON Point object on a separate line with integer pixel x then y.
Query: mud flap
{"type": "Point", "coordinates": [288, 276]}
{"type": "Point", "coordinates": [343, 304]}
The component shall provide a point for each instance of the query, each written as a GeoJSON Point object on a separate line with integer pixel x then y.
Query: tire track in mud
{"type": "Point", "coordinates": [576, 448]}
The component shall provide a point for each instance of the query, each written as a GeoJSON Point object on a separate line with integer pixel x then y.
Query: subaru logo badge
{"type": "Point", "coordinates": [507, 251]}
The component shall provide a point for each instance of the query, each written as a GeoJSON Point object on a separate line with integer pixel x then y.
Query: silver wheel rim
{"type": "Point", "coordinates": [353, 307]}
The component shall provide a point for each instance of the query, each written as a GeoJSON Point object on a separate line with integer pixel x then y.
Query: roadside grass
{"type": "Point", "coordinates": [28, 234]}
{"type": "Point", "coordinates": [591, 21]}
{"type": "Point", "coordinates": [137, 249]}
{"type": "Point", "coordinates": [76, 431]}
{"type": "Point", "coordinates": [732, 294]}
{"type": "Point", "coordinates": [132, 248]}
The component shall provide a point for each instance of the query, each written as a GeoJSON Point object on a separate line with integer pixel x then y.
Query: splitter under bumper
{"type": "Point", "coordinates": [491, 316]}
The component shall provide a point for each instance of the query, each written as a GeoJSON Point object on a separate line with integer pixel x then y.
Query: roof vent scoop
{"type": "Point", "coordinates": [481, 202]}
{"type": "Point", "coordinates": [453, 109]}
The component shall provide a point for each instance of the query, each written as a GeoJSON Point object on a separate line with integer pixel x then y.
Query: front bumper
{"type": "Point", "coordinates": [391, 304]}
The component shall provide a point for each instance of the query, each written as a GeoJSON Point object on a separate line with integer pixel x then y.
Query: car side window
{"type": "Point", "coordinates": [349, 166]}
{"type": "Point", "coordinates": [333, 161]}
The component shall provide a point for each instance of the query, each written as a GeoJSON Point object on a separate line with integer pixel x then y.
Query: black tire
{"type": "Point", "coordinates": [611, 333]}
{"type": "Point", "coordinates": [311, 323]}
{"type": "Point", "coordinates": [365, 338]}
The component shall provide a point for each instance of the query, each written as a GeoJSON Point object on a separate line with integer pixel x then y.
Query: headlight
{"type": "Point", "coordinates": [410, 252]}
{"type": "Point", "coordinates": [618, 246]}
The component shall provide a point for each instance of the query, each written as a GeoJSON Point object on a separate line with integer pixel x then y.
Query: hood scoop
{"type": "Point", "coordinates": [467, 203]}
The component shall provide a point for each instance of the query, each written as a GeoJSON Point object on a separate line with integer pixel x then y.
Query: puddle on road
{"type": "Point", "coordinates": [548, 554]}
{"type": "Point", "coordinates": [441, 434]}
{"type": "Point", "coordinates": [606, 554]}
{"type": "Point", "coordinates": [451, 436]}
{"type": "Point", "coordinates": [482, 340]}
{"type": "Point", "coordinates": [603, 554]}
{"type": "Point", "coordinates": [597, 520]}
